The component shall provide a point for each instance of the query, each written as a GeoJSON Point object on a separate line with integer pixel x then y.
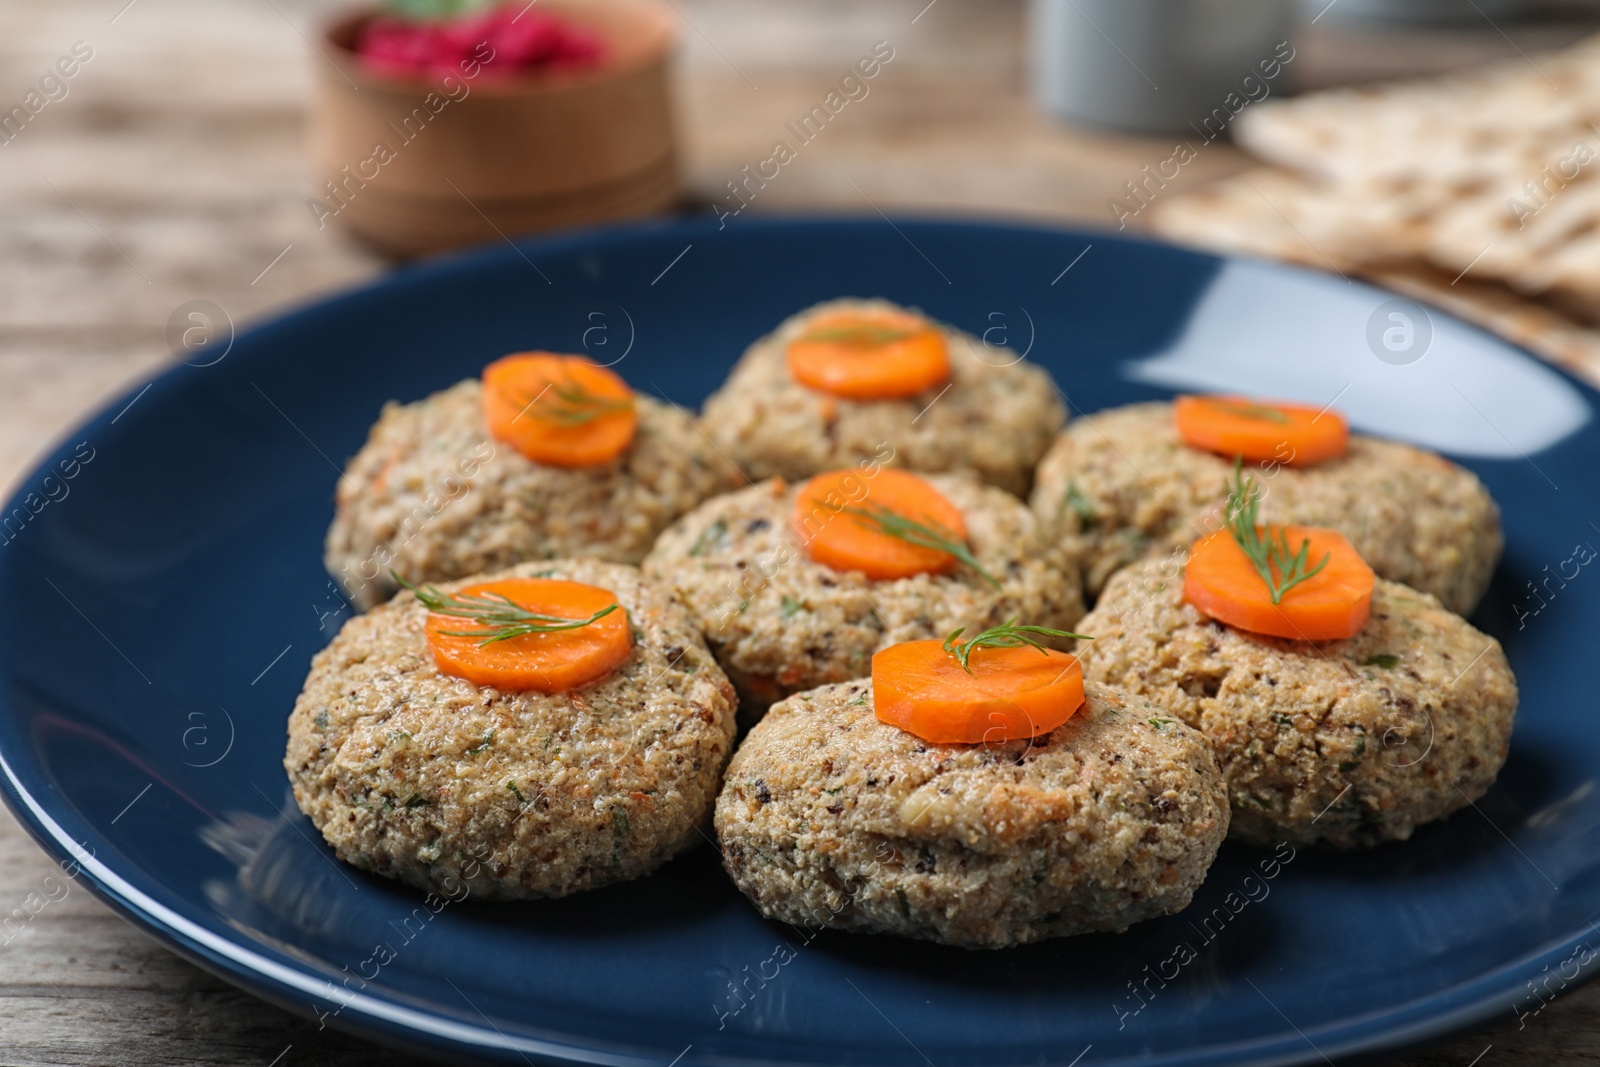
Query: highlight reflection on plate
{"type": "Point", "coordinates": [1267, 331]}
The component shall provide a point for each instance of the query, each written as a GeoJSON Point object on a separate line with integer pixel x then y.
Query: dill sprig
{"type": "Point", "coordinates": [921, 534]}
{"type": "Point", "coordinates": [1280, 566]}
{"type": "Point", "coordinates": [861, 335]}
{"type": "Point", "coordinates": [501, 617]}
{"type": "Point", "coordinates": [434, 10]}
{"type": "Point", "coordinates": [1246, 409]}
{"type": "Point", "coordinates": [571, 403]}
{"type": "Point", "coordinates": [1007, 635]}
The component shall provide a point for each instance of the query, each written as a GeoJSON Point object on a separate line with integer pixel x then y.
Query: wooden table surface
{"type": "Point", "coordinates": [174, 169]}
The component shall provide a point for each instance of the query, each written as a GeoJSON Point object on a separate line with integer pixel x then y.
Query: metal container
{"type": "Point", "coordinates": [1158, 66]}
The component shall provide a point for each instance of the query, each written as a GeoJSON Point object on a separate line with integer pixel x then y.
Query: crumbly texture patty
{"type": "Point", "coordinates": [832, 818]}
{"type": "Point", "coordinates": [424, 777]}
{"type": "Point", "coordinates": [434, 497]}
{"type": "Point", "coordinates": [995, 420]}
{"type": "Point", "coordinates": [1119, 485]}
{"type": "Point", "coordinates": [1346, 742]}
{"type": "Point", "coordinates": [780, 622]}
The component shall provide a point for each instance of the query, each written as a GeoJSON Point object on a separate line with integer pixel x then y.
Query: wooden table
{"type": "Point", "coordinates": [174, 169]}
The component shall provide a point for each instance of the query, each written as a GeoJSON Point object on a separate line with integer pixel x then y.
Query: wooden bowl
{"type": "Point", "coordinates": [418, 166]}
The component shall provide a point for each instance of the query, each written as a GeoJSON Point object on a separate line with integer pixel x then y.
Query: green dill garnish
{"type": "Point", "coordinates": [501, 617]}
{"type": "Point", "coordinates": [619, 822]}
{"type": "Point", "coordinates": [569, 403]}
{"type": "Point", "coordinates": [1279, 566]}
{"type": "Point", "coordinates": [321, 719]}
{"type": "Point", "coordinates": [858, 701]}
{"type": "Point", "coordinates": [395, 734]}
{"type": "Point", "coordinates": [1245, 409]}
{"type": "Point", "coordinates": [710, 537]}
{"type": "Point", "coordinates": [1007, 635]}
{"type": "Point", "coordinates": [434, 10]}
{"type": "Point", "coordinates": [1159, 723]}
{"type": "Point", "coordinates": [1381, 659]}
{"type": "Point", "coordinates": [481, 745]}
{"type": "Point", "coordinates": [857, 335]}
{"type": "Point", "coordinates": [512, 785]}
{"type": "Point", "coordinates": [415, 800]}
{"type": "Point", "coordinates": [921, 534]}
{"type": "Point", "coordinates": [789, 606]}
{"type": "Point", "coordinates": [1074, 501]}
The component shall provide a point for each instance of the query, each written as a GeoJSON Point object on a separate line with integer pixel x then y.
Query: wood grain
{"type": "Point", "coordinates": [174, 170]}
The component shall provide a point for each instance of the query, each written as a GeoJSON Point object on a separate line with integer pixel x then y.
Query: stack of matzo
{"type": "Point", "coordinates": [1478, 191]}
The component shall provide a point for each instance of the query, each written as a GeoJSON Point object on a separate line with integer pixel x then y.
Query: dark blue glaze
{"type": "Point", "coordinates": [159, 617]}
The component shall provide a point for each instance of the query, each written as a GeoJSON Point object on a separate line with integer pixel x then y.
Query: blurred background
{"type": "Point", "coordinates": [174, 169]}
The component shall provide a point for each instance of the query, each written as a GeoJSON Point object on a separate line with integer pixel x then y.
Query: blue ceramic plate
{"type": "Point", "coordinates": [163, 594]}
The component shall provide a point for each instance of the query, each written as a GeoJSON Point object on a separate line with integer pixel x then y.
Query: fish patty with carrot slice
{"type": "Point", "coordinates": [852, 379]}
{"type": "Point", "coordinates": [1120, 485]}
{"type": "Point", "coordinates": [418, 754]}
{"type": "Point", "coordinates": [436, 495]}
{"type": "Point", "coordinates": [779, 620]}
{"type": "Point", "coordinates": [832, 818]}
{"type": "Point", "coordinates": [1349, 742]}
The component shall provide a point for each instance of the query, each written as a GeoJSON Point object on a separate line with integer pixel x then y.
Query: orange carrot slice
{"type": "Point", "coordinates": [563, 411]}
{"type": "Point", "coordinates": [1012, 693]}
{"type": "Point", "coordinates": [1221, 581]}
{"type": "Point", "coordinates": [870, 355]}
{"type": "Point", "coordinates": [476, 633]}
{"type": "Point", "coordinates": [1262, 431]}
{"type": "Point", "coordinates": [840, 518]}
